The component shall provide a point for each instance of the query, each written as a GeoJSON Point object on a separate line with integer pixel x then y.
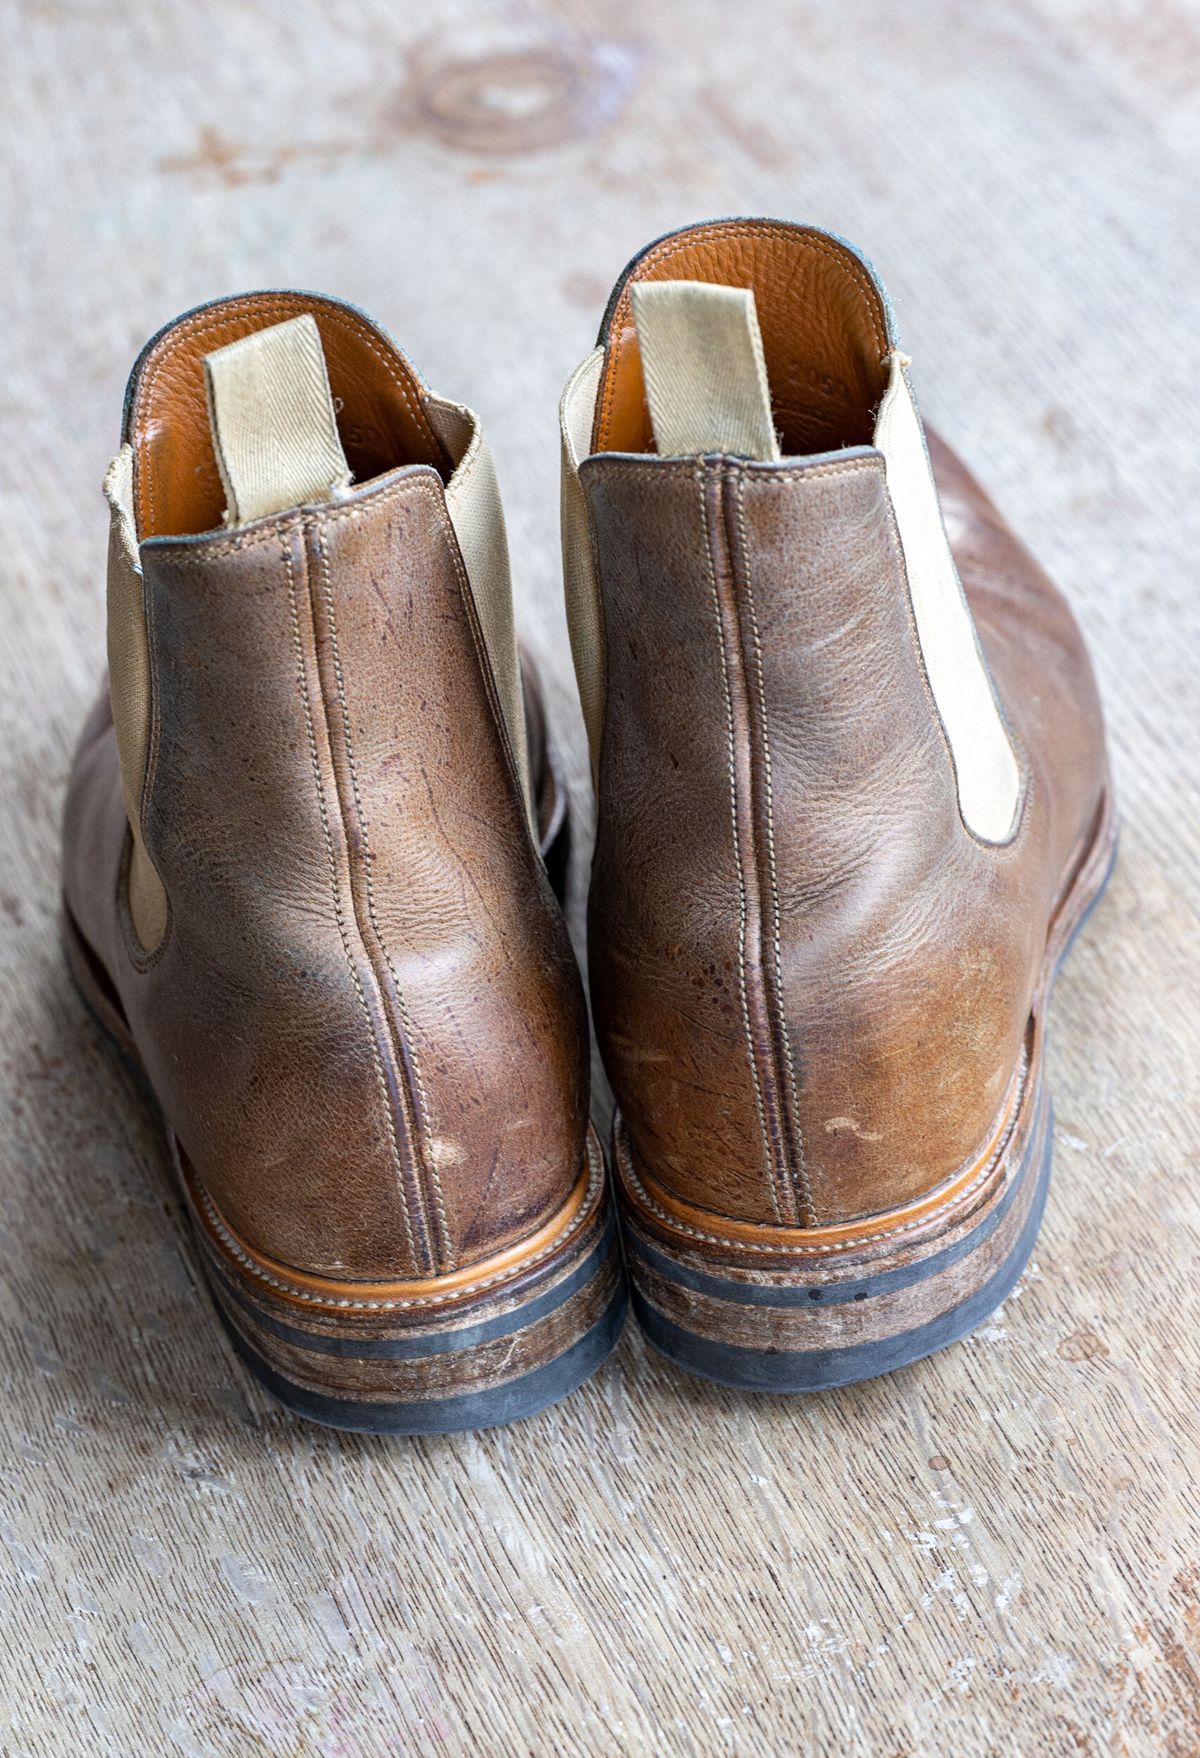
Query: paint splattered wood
{"type": "Point", "coordinates": [995, 1552]}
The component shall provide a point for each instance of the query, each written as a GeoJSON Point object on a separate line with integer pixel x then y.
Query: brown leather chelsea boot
{"type": "Point", "coordinates": [305, 878]}
{"type": "Point", "coordinates": [853, 806]}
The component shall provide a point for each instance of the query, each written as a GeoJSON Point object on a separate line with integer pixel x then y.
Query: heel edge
{"type": "Point", "coordinates": [486, 1359]}
{"type": "Point", "coordinates": [488, 1407]}
{"type": "Point", "coordinates": [806, 1329]}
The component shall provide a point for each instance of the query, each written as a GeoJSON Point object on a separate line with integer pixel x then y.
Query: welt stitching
{"type": "Point", "coordinates": [805, 1191]}
{"type": "Point", "coordinates": [737, 858]}
{"type": "Point", "coordinates": [424, 1120]}
{"type": "Point", "coordinates": [302, 681]}
{"type": "Point", "coordinates": [849, 267]}
{"type": "Point", "coordinates": [781, 1249]}
{"type": "Point", "coordinates": [237, 1251]}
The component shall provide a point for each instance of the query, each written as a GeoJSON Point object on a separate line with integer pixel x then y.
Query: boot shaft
{"type": "Point", "coordinates": [356, 994]}
{"type": "Point", "coordinates": [806, 783]}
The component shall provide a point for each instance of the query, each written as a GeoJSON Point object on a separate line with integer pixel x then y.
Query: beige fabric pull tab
{"type": "Point", "coordinates": [703, 365]}
{"type": "Point", "coordinates": [273, 425]}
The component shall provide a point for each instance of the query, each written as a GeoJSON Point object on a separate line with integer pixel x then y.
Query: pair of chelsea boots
{"type": "Point", "coordinates": [853, 804]}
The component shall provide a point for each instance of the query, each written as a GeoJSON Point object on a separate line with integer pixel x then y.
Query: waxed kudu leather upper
{"type": "Point", "coordinates": [810, 981]}
{"type": "Point", "coordinates": [364, 1022]}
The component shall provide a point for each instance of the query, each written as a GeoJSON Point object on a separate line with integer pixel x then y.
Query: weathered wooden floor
{"type": "Point", "coordinates": [991, 1553]}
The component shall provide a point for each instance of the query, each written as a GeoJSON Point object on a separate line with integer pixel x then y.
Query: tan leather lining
{"type": "Point", "coordinates": [378, 398]}
{"type": "Point", "coordinates": [824, 332]}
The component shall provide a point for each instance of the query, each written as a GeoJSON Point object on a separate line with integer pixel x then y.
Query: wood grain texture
{"type": "Point", "coordinates": [992, 1553]}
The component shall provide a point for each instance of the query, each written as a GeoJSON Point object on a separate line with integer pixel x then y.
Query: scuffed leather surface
{"type": "Point", "coordinates": [908, 952]}
{"type": "Point", "coordinates": [378, 1085]}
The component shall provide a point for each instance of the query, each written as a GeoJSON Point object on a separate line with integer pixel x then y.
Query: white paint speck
{"type": "Point", "coordinates": [960, 1675]}
{"type": "Point", "coordinates": [1056, 1669]}
{"type": "Point", "coordinates": [246, 1581]}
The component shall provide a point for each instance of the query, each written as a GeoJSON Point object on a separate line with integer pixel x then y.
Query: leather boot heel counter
{"type": "Point", "coordinates": [326, 806]}
{"type": "Point", "coordinates": [779, 836]}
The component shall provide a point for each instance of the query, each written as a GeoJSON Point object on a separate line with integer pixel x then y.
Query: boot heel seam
{"type": "Point", "coordinates": [795, 1136]}
{"type": "Point", "coordinates": [418, 1116]}
{"type": "Point", "coordinates": [731, 766]}
{"type": "Point", "coordinates": [338, 909]}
